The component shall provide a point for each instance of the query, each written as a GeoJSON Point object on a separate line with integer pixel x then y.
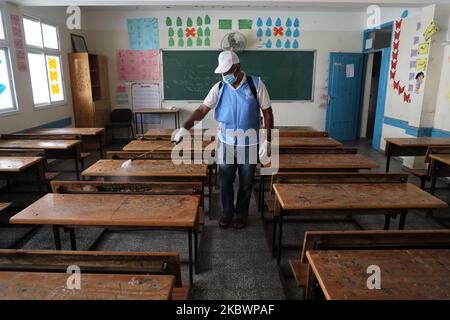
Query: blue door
{"type": "Point", "coordinates": [344, 95]}
{"type": "Point", "coordinates": [381, 98]}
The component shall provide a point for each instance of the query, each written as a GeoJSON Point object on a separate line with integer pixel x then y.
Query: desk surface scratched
{"type": "Point", "coordinates": [405, 274]}
{"type": "Point", "coordinates": [145, 168]}
{"type": "Point", "coordinates": [444, 158]}
{"type": "Point", "coordinates": [355, 196]}
{"type": "Point", "coordinates": [68, 131]}
{"type": "Point", "coordinates": [293, 142]}
{"type": "Point", "coordinates": [38, 144]}
{"type": "Point", "coordinates": [324, 161]}
{"type": "Point", "coordinates": [17, 164]}
{"type": "Point", "coordinates": [111, 210]}
{"type": "Point", "coordinates": [162, 145]}
{"type": "Point", "coordinates": [419, 142]}
{"type": "Point", "coordinates": [53, 286]}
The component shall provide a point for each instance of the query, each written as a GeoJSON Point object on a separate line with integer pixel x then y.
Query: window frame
{"type": "Point", "coordinates": [5, 45]}
{"type": "Point", "coordinates": [46, 52]}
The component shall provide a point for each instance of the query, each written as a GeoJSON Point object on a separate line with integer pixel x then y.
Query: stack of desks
{"type": "Point", "coordinates": [411, 146]}
{"type": "Point", "coordinates": [161, 212]}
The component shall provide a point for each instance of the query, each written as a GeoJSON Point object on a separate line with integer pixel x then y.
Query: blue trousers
{"type": "Point", "coordinates": [242, 159]}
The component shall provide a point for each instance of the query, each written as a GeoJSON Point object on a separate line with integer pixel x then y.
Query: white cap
{"type": "Point", "coordinates": [226, 61]}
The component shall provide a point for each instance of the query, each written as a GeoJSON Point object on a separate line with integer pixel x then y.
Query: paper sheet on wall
{"type": "Point", "coordinates": [350, 70]}
{"type": "Point", "coordinates": [21, 58]}
{"type": "Point", "coordinates": [421, 64]}
{"type": "Point", "coordinates": [143, 34]}
{"type": "Point", "coordinates": [369, 43]}
{"type": "Point", "coordinates": [147, 96]}
{"type": "Point", "coordinates": [423, 48]}
{"type": "Point", "coordinates": [138, 65]}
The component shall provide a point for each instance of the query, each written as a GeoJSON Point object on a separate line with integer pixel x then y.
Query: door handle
{"type": "Point", "coordinates": [328, 99]}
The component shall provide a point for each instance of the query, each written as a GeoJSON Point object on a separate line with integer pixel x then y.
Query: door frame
{"type": "Point", "coordinates": [382, 84]}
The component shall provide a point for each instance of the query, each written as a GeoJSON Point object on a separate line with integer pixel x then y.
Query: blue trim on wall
{"type": "Point", "coordinates": [438, 133]}
{"type": "Point", "coordinates": [61, 123]}
{"type": "Point", "coordinates": [414, 131]}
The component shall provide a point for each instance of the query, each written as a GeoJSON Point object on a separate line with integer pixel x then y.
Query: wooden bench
{"type": "Point", "coordinates": [362, 240]}
{"type": "Point", "coordinates": [28, 136]}
{"type": "Point", "coordinates": [103, 262]}
{"type": "Point", "coordinates": [142, 188]}
{"type": "Point", "coordinates": [425, 174]}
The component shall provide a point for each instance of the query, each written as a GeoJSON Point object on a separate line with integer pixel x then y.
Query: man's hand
{"type": "Point", "coordinates": [264, 150]}
{"type": "Point", "coordinates": [180, 135]}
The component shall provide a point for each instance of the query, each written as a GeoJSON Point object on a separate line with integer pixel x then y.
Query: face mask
{"type": "Point", "coordinates": [229, 78]}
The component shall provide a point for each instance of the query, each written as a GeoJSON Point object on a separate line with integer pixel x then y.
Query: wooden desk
{"type": "Point", "coordinates": [439, 167]}
{"type": "Point", "coordinates": [295, 128]}
{"type": "Point", "coordinates": [166, 134]}
{"type": "Point", "coordinates": [411, 146]}
{"type": "Point", "coordinates": [149, 170]}
{"type": "Point", "coordinates": [95, 135]}
{"type": "Point", "coordinates": [175, 212]}
{"type": "Point", "coordinates": [142, 112]}
{"type": "Point", "coordinates": [419, 274]}
{"type": "Point", "coordinates": [315, 162]}
{"type": "Point", "coordinates": [4, 205]}
{"type": "Point", "coordinates": [53, 286]}
{"type": "Point", "coordinates": [304, 142]}
{"type": "Point", "coordinates": [351, 199]}
{"type": "Point", "coordinates": [167, 146]}
{"type": "Point", "coordinates": [146, 169]}
{"type": "Point", "coordinates": [54, 149]}
{"type": "Point", "coordinates": [23, 167]}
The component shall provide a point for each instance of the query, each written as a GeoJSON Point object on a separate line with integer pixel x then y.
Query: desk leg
{"type": "Point", "coordinates": [387, 221]}
{"type": "Point", "coordinates": [176, 120]}
{"type": "Point", "coordinates": [73, 242]}
{"type": "Point", "coordinates": [77, 159]}
{"type": "Point", "coordinates": [388, 161]}
{"type": "Point", "coordinates": [274, 235]}
{"type": "Point", "coordinates": [310, 284]}
{"type": "Point", "coordinates": [100, 145]}
{"type": "Point", "coordinates": [136, 123]}
{"type": "Point", "coordinates": [191, 276]}
{"type": "Point", "coordinates": [57, 237]}
{"type": "Point", "coordinates": [433, 176]}
{"type": "Point", "coordinates": [279, 237]}
{"type": "Point", "coordinates": [142, 123]}
{"type": "Point", "coordinates": [196, 250]}
{"type": "Point", "coordinates": [209, 190]}
{"type": "Point", "coordinates": [401, 224]}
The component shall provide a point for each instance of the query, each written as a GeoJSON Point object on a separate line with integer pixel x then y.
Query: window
{"type": "Point", "coordinates": [44, 59]}
{"type": "Point", "coordinates": [7, 94]}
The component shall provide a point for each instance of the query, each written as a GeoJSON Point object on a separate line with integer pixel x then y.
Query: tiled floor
{"type": "Point", "coordinates": [234, 264]}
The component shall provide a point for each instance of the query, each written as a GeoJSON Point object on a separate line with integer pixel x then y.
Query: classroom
{"type": "Point", "coordinates": [225, 150]}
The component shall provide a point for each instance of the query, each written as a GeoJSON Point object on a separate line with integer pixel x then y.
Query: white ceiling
{"type": "Point", "coordinates": [180, 4]}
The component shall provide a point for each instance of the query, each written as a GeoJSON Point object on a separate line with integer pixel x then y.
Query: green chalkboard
{"type": "Point", "coordinates": [288, 75]}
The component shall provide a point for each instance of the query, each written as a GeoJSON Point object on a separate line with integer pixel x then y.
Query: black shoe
{"type": "Point", "coordinates": [225, 222]}
{"type": "Point", "coordinates": [240, 222]}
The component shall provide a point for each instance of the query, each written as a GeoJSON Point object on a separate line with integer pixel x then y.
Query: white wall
{"type": "Point", "coordinates": [27, 116]}
{"type": "Point", "coordinates": [322, 31]}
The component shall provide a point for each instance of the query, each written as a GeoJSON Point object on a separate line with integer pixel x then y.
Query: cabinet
{"type": "Point", "coordinates": [90, 90]}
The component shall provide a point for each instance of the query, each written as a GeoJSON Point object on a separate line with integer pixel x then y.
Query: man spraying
{"type": "Point", "coordinates": [237, 102]}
